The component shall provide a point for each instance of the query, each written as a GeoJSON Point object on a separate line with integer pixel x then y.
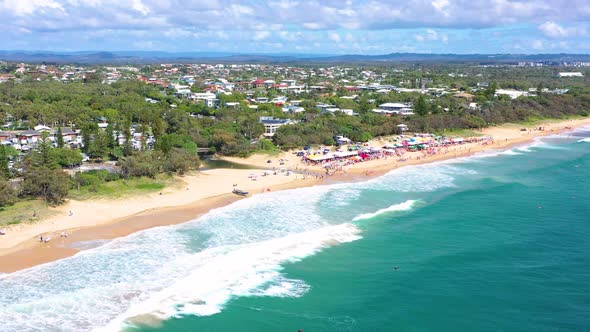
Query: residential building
{"type": "Point", "coordinates": [395, 108]}
{"type": "Point", "coordinates": [271, 124]}
{"type": "Point", "coordinates": [513, 94]}
{"type": "Point", "coordinates": [571, 74]}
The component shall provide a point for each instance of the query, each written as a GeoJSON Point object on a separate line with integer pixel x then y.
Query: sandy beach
{"type": "Point", "coordinates": [107, 219]}
{"type": "Point", "coordinates": [504, 137]}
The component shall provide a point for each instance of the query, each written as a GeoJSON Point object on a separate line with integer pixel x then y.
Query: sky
{"type": "Point", "coordinates": [298, 26]}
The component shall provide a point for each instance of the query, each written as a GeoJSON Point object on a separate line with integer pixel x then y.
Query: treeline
{"type": "Point", "coordinates": [236, 130]}
{"type": "Point", "coordinates": [42, 175]}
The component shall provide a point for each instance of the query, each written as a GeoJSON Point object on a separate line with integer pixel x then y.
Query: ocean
{"type": "Point", "coordinates": [495, 242]}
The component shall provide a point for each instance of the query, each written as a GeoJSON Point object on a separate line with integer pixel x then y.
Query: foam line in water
{"type": "Point", "coordinates": [587, 139]}
{"type": "Point", "coordinates": [219, 274]}
{"type": "Point", "coordinates": [405, 206]}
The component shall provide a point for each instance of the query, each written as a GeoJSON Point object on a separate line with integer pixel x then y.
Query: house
{"type": "Point", "coordinates": [464, 95]}
{"type": "Point", "coordinates": [42, 129]}
{"type": "Point", "coordinates": [232, 104]}
{"type": "Point", "coordinates": [571, 74]}
{"type": "Point", "coordinates": [280, 100]}
{"type": "Point", "coordinates": [271, 124]}
{"type": "Point", "coordinates": [293, 109]}
{"type": "Point", "coordinates": [69, 135]}
{"type": "Point", "coordinates": [261, 100]}
{"type": "Point", "coordinates": [325, 107]}
{"type": "Point", "coordinates": [289, 82]}
{"type": "Point", "coordinates": [513, 94]}
{"type": "Point", "coordinates": [5, 138]}
{"type": "Point", "coordinates": [342, 140]}
{"type": "Point", "coordinates": [257, 84]}
{"type": "Point", "coordinates": [295, 89]}
{"type": "Point", "coordinates": [209, 99]}
{"type": "Point", "coordinates": [348, 111]}
{"type": "Point", "coordinates": [28, 136]}
{"type": "Point", "coordinates": [395, 108]}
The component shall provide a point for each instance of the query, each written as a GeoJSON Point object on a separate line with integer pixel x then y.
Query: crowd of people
{"type": "Point", "coordinates": [417, 147]}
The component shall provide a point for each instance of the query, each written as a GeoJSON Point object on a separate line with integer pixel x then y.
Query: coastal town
{"type": "Point", "coordinates": [294, 165]}
{"type": "Point", "coordinates": [287, 126]}
{"type": "Point", "coordinates": [107, 124]}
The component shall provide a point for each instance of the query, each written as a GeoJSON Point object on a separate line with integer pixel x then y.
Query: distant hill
{"type": "Point", "coordinates": [140, 57]}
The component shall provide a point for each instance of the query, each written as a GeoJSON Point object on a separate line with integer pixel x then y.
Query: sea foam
{"type": "Point", "coordinates": [219, 274]}
{"type": "Point", "coordinates": [194, 268]}
{"type": "Point", "coordinates": [405, 206]}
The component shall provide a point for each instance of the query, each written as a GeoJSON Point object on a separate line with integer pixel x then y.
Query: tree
{"type": "Point", "coordinates": [491, 90]}
{"type": "Point", "coordinates": [4, 159]}
{"type": "Point", "coordinates": [60, 138]}
{"type": "Point", "coordinates": [87, 131]}
{"type": "Point", "coordinates": [42, 176]}
{"type": "Point", "coordinates": [68, 157]}
{"type": "Point", "coordinates": [44, 155]}
{"type": "Point", "coordinates": [181, 161]}
{"type": "Point", "coordinates": [142, 163]}
{"type": "Point", "coordinates": [420, 106]}
{"type": "Point", "coordinates": [51, 185]}
{"type": "Point", "coordinates": [110, 136]}
{"type": "Point", "coordinates": [99, 146]}
{"type": "Point", "coordinates": [7, 193]}
{"type": "Point", "coordinates": [365, 137]}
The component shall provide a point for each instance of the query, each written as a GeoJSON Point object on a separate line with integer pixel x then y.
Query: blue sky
{"type": "Point", "coordinates": [298, 26]}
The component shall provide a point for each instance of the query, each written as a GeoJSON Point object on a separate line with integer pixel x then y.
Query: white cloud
{"type": "Point", "coordinates": [432, 35]}
{"type": "Point", "coordinates": [140, 7]}
{"type": "Point", "coordinates": [334, 36]}
{"type": "Point", "coordinates": [313, 25]}
{"type": "Point", "coordinates": [441, 6]}
{"type": "Point", "coordinates": [241, 9]}
{"type": "Point", "coordinates": [261, 35]}
{"type": "Point", "coordinates": [554, 30]}
{"type": "Point", "coordinates": [538, 45]}
{"type": "Point", "coordinates": [430, 24]}
{"type": "Point", "coordinates": [27, 7]}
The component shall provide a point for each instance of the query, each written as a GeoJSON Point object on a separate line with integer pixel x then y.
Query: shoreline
{"type": "Point", "coordinates": [104, 219]}
{"type": "Point", "coordinates": [25, 251]}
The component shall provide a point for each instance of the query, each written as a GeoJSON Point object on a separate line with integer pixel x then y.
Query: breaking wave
{"type": "Point", "coordinates": [405, 206]}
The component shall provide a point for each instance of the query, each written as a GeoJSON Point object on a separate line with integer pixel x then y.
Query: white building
{"type": "Point", "coordinates": [395, 108]}
{"type": "Point", "coordinates": [513, 94]}
{"type": "Point", "coordinates": [571, 74]}
{"type": "Point", "coordinates": [271, 124]}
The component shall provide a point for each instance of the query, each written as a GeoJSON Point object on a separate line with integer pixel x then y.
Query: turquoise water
{"type": "Point", "coordinates": [490, 243]}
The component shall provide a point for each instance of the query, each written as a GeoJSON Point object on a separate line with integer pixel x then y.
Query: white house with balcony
{"type": "Point", "coordinates": [395, 108]}
{"type": "Point", "coordinates": [271, 124]}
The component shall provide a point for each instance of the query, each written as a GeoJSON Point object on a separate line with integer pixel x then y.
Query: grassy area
{"type": "Point", "coordinates": [124, 188]}
{"type": "Point", "coordinates": [271, 153]}
{"type": "Point", "coordinates": [537, 121]}
{"type": "Point", "coordinates": [28, 211]}
{"type": "Point", "coordinates": [458, 133]}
